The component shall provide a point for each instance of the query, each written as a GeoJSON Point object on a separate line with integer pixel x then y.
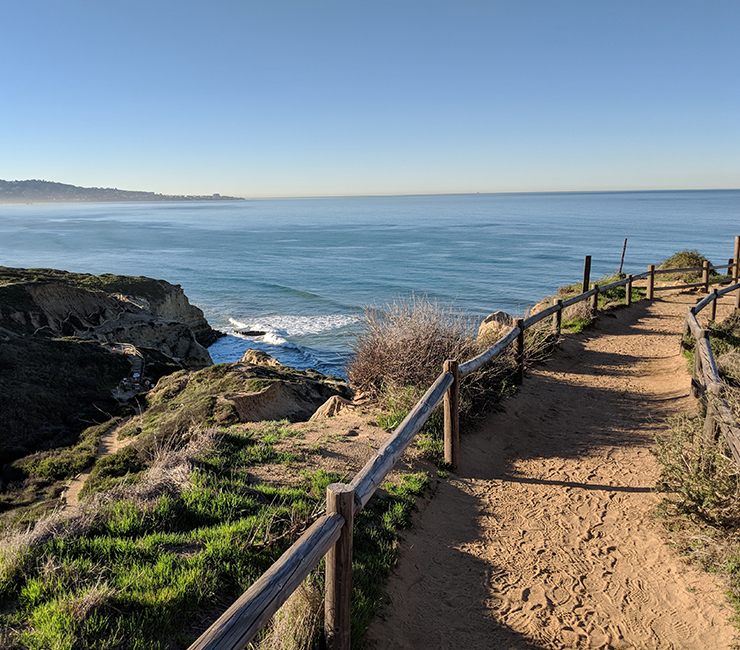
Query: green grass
{"type": "Point", "coordinates": [148, 568]}
{"type": "Point", "coordinates": [577, 318]}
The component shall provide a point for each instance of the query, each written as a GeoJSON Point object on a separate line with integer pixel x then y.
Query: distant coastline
{"type": "Point", "coordinates": [36, 191]}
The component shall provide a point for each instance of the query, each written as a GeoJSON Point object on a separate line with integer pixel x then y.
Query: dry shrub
{"type": "Point", "coordinates": [405, 344]}
{"type": "Point", "coordinates": [699, 473]}
{"type": "Point", "coordinates": [296, 625]}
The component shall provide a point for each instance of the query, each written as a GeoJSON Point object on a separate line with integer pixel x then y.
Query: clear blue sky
{"type": "Point", "coordinates": [301, 97]}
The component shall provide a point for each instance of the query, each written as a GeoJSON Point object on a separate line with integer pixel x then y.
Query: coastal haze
{"type": "Point", "coordinates": [302, 270]}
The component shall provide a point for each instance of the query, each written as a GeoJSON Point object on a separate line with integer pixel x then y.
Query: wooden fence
{"type": "Point", "coordinates": [705, 381]}
{"type": "Point", "coordinates": [331, 535]}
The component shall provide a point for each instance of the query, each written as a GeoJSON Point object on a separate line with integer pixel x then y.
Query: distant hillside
{"type": "Point", "coordinates": [48, 192]}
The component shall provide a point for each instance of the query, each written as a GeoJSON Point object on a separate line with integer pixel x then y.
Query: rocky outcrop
{"type": "Point", "coordinates": [229, 393]}
{"type": "Point", "coordinates": [494, 325]}
{"type": "Point", "coordinates": [259, 358]}
{"type": "Point", "coordinates": [331, 407]}
{"type": "Point", "coordinates": [107, 308]}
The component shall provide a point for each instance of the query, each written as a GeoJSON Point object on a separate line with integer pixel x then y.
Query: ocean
{"type": "Point", "coordinates": [303, 270]}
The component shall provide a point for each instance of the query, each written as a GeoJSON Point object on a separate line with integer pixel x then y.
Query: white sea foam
{"type": "Point", "coordinates": [274, 339]}
{"type": "Point", "coordinates": [278, 327]}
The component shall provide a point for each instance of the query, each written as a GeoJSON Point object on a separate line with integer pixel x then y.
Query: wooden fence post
{"type": "Point", "coordinates": [736, 262]}
{"type": "Point", "coordinates": [340, 498]}
{"type": "Point", "coordinates": [519, 351]}
{"type": "Point", "coordinates": [705, 275]}
{"type": "Point", "coordinates": [452, 416]}
{"type": "Point", "coordinates": [730, 263]}
{"type": "Point", "coordinates": [713, 308]}
{"type": "Point", "coordinates": [651, 282]}
{"type": "Point", "coordinates": [557, 317]}
{"type": "Point", "coordinates": [710, 420]}
{"type": "Point", "coordinates": [684, 335]}
{"type": "Point", "coordinates": [697, 376]}
{"type": "Point", "coordinates": [628, 291]}
{"type": "Point", "coordinates": [586, 274]}
{"type": "Point", "coordinates": [595, 301]}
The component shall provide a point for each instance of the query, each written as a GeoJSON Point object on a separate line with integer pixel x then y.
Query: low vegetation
{"type": "Point", "coordinates": [700, 479]}
{"type": "Point", "coordinates": [49, 404]}
{"type": "Point", "coordinates": [178, 524]}
{"type": "Point", "coordinates": [578, 317]}
{"type": "Point", "coordinates": [685, 259]}
{"type": "Point", "coordinates": [402, 349]}
{"type": "Point", "coordinates": [149, 562]}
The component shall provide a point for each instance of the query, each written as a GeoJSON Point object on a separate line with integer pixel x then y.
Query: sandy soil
{"type": "Point", "coordinates": [109, 444]}
{"type": "Point", "coordinates": [547, 536]}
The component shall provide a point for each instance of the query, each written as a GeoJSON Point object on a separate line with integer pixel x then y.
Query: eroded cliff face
{"type": "Point", "coordinates": [110, 309]}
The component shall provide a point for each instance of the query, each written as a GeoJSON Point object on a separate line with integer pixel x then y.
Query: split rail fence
{"type": "Point", "coordinates": [705, 381]}
{"type": "Point", "coordinates": [331, 535]}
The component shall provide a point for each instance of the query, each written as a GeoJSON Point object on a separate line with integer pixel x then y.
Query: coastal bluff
{"type": "Point", "coordinates": [47, 303]}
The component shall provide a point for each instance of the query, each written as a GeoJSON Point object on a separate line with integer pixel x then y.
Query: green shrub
{"type": "Point", "coordinates": [685, 259]}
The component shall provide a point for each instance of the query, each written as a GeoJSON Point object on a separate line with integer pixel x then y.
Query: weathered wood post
{"type": "Point", "coordinates": [557, 317]}
{"type": "Point", "coordinates": [710, 420]}
{"type": "Point", "coordinates": [519, 351]}
{"type": "Point", "coordinates": [452, 416]}
{"type": "Point", "coordinates": [586, 274]}
{"type": "Point", "coordinates": [628, 291]}
{"type": "Point", "coordinates": [697, 376]}
{"type": "Point", "coordinates": [595, 301]}
{"type": "Point", "coordinates": [730, 262]}
{"type": "Point", "coordinates": [713, 308]}
{"type": "Point", "coordinates": [705, 276]}
{"type": "Point", "coordinates": [651, 282]}
{"type": "Point", "coordinates": [340, 498]}
{"type": "Point", "coordinates": [684, 335]}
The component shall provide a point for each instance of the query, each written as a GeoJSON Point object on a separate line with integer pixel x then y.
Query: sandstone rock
{"type": "Point", "coordinates": [494, 326]}
{"type": "Point", "coordinates": [331, 407]}
{"type": "Point", "coordinates": [143, 312]}
{"type": "Point", "coordinates": [259, 358]}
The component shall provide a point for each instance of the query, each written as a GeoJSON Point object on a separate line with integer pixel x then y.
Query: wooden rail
{"type": "Point", "coordinates": [706, 382]}
{"type": "Point", "coordinates": [331, 535]}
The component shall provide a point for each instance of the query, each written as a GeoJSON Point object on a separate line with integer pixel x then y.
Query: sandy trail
{"type": "Point", "coordinates": [546, 537]}
{"type": "Point", "coordinates": [109, 444]}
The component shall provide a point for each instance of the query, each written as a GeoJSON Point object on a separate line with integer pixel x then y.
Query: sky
{"type": "Point", "coordinates": [315, 98]}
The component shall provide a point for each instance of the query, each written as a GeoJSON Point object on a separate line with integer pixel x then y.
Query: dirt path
{"type": "Point", "coordinates": [546, 537]}
{"type": "Point", "coordinates": [109, 444]}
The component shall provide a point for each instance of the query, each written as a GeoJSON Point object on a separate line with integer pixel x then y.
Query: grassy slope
{"type": "Point", "coordinates": [159, 558]}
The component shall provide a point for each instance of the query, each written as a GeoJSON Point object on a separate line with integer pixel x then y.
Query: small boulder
{"type": "Point", "coordinates": [331, 407]}
{"type": "Point", "coordinates": [494, 325]}
{"type": "Point", "coordinates": [259, 358]}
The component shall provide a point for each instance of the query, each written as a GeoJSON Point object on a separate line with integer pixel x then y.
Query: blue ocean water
{"type": "Point", "coordinates": [303, 269]}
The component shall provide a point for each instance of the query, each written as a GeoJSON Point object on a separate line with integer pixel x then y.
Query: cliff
{"type": "Point", "coordinates": [46, 303]}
